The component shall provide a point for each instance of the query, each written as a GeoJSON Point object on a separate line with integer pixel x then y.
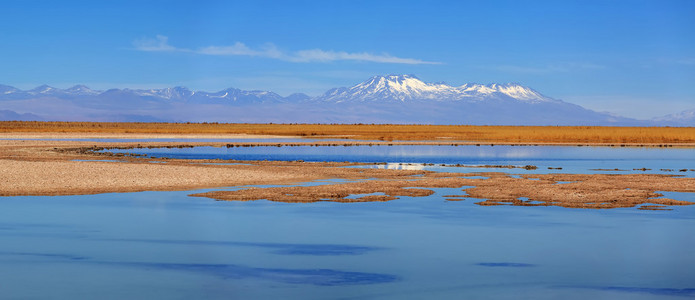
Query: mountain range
{"type": "Point", "coordinates": [397, 99]}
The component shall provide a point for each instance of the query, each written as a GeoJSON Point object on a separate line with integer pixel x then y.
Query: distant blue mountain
{"type": "Point", "coordinates": [398, 99]}
{"type": "Point", "coordinates": [8, 115]}
{"type": "Point", "coordinates": [684, 118]}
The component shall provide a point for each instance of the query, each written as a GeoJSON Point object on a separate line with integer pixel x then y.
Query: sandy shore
{"type": "Point", "coordinates": [33, 167]}
{"type": "Point", "coordinates": [91, 135]}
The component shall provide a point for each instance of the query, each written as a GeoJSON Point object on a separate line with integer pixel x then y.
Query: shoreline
{"type": "Point", "coordinates": [49, 167]}
{"type": "Point", "coordinates": [70, 136]}
{"type": "Point", "coordinates": [106, 135]}
{"type": "Point", "coordinates": [565, 135]}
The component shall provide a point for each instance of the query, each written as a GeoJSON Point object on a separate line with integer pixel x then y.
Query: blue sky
{"type": "Point", "coordinates": [634, 58]}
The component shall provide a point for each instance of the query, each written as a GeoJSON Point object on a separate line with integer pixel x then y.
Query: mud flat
{"type": "Point", "coordinates": [583, 191]}
{"type": "Point", "coordinates": [31, 167]}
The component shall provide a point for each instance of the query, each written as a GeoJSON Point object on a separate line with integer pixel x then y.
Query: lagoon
{"type": "Point", "coordinates": [571, 159]}
{"type": "Point", "coordinates": [167, 245]}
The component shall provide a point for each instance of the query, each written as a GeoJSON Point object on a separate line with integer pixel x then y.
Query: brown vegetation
{"type": "Point", "coordinates": [485, 134]}
{"type": "Point", "coordinates": [49, 168]}
{"type": "Point", "coordinates": [584, 191]}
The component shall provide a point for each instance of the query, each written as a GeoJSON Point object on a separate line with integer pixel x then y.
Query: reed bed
{"type": "Point", "coordinates": [506, 134]}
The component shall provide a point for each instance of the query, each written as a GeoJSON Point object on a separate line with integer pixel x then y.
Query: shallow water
{"type": "Point", "coordinates": [166, 245]}
{"type": "Point", "coordinates": [619, 160]}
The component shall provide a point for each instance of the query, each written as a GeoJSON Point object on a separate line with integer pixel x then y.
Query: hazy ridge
{"type": "Point", "coordinates": [396, 99]}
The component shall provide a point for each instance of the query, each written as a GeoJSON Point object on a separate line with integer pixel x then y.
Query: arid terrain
{"type": "Point", "coordinates": [54, 167]}
{"type": "Point", "coordinates": [560, 135]}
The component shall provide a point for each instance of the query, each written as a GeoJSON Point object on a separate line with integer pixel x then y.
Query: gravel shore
{"type": "Point", "coordinates": [41, 167]}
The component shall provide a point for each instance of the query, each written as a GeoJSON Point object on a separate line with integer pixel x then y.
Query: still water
{"type": "Point", "coordinates": [677, 161]}
{"type": "Point", "coordinates": [167, 245]}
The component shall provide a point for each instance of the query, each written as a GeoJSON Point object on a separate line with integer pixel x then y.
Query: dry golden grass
{"type": "Point", "coordinates": [597, 191]}
{"type": "Point", "coordinates": [31, 167]}
{"type": "Point", "coordinates": [507, 134]}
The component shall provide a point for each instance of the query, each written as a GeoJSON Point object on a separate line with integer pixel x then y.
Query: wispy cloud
{"type": "Point", "coordinates": [686, 61]}
{"type": "Point", "coordinates": [161, 44]}
{"type": "Point", "coordinates": [547, 69]}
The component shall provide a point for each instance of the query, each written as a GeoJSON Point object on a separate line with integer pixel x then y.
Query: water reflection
{"type": "Point", "coordinates": [167, 245]}
{"type": "Point", "coordinates": [505, 264]}
{"type": "Point", "coordinates": [277, 248]}
{"type": "Point", "coordinates": [547, 159]}
{"type": "Point", "coordinates": [399, 166]}
{"type": "Point", "coordinates": [321, 277]}
{"type": "Point", "coordinates": [44, 255]}
{"type": "Point", "coordinates": [686, 292]}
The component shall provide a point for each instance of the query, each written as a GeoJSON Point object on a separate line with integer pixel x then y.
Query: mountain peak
{"type": "Point", "coordinates": [401, 88]}
{"type": "Point", "coordinates": [6, 89]}
{"type": "Point", "coordinates": [169, 93]}
{"type": "Point", "coordinates": [683, 117]}
{"type": "Point", "coordinates": [397, 77]}
{"type": "Point", "coordinates": [42, 89]}
{"type": "Point", "coordinates": [81, 89]}
{"type": "Point", "coordinates": [388, 99]}
{"type": "Point", "coordinates": [518, 91]}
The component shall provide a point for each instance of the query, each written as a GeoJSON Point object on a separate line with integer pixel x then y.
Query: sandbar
{"type": "Point", "coordinates": [40, 167]}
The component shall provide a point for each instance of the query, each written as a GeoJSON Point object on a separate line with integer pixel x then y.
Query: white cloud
{"type": "Point", "coordinates": [236, 49]}
{"type": "Point", "coordinates": [268, 50]}
{"type": "Point", "coordinates": [160, 44]}
{"type": "Point", "coordinates": [319, 55]}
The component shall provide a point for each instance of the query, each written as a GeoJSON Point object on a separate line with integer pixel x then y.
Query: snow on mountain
{"type": "Point", "coordinates": [81, 90]}
{"type": "Point", "coordinates": [388, 88]}
{"type": "Point", "coordinates": [684, 118]}
{"type": "Point", "coordinates": [520, 92]}
{"type": "Point", "coordinates": [43, 89]}
{"type": "Point", "coordinates": [395, 88]}
{"type": "Point", "coordinates": [175, 93]}
{"type": "Point", "coordinates": [393, 99]}
{"type": "Point", "coordinates": [237, 96]}
{"type": "Point", "coordinates": [46, 91]}
{"type": "Point", "coordinates": [391, 88]}
{"type": "Point", "coordinates": [6, 89]}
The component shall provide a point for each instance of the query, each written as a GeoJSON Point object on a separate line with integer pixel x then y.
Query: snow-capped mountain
{"type": "Point", "coordinates": [684, 118]}
{"type": "Point", "coordinates": [174, 94]}
{"type": "Point", "coordinates": [393, 99]}
{"type": "Point", "coordinates": [43, 90]}
{"type": "Point", "coordinates": [81, 90]}
{"type": "Point", "coordinates": [6, 89]}
{"type": "Point", "coordinates": [407, 99]}
{"type": "Point", "coordinates": [382, 89]}
{"type": "Point", "coordinates": [404, 88]}
{"type": "Point", "coordinates": [237, 96]}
